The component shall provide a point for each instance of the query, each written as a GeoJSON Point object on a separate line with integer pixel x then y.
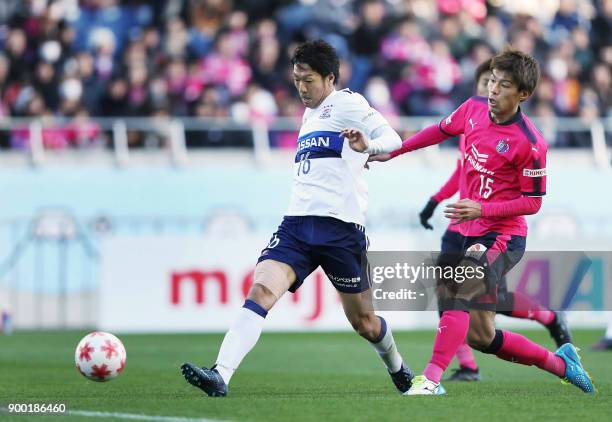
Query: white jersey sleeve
{"type": "Point", "coordinates": [358, 114]}
{"type": "Point", "coordinates": [328, 175]}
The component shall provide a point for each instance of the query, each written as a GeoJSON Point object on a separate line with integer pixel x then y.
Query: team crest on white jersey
{"type": "Point", "coordinates": [326, 114]}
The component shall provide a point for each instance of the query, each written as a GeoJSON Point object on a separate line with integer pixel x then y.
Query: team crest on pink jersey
{"type": "Point", "coordinates": [502, 146]}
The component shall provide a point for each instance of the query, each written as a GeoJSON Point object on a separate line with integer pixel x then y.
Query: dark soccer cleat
{"type": "Point", "coordinates": [464, 374]}
{"type": "Point", "coordinates": [559, 330]}
{"type": "Point", "coordinates": [207, 380]}
{"type": "Point", "coordinates": [402, 379]}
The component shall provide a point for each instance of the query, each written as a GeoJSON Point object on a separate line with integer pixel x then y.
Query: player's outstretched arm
{"type": "Point", "coordinates": [381, 158]}
{"type": "Point", "coordinates": [431, 135]}
{"type": "Point", "coordinates": [356, 139]}
{"type": "Point", "coordinates": [384, 139]}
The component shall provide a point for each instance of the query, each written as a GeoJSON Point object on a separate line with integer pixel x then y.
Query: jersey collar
{"type": "Point", "coordinates": [331, 94]}
{"type": "Point", "coordinates": [516, 118]}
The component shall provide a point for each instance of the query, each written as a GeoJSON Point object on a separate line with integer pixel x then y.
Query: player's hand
{"type": "Point", "coordinates": [427, 212]}
{"type": "Point", "coordinates": [462, 211]}
{"type": "Point", "coordinates": [379, 157]}
{"type": "Point", "coordinates": [357, 141]}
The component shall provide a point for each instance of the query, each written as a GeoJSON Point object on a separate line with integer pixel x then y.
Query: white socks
{"type": "Point", "coordinates": [246, 329]}
{"type": "Point", "coordinates": [386, 348]}
{"type": "Point", "coordinates": [240, 339]}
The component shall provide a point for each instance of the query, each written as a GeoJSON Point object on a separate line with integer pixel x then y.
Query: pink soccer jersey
{"type": "Point", "coordinates": [454, 183]}
{"type": "Point", "coordinates": [501, 163]}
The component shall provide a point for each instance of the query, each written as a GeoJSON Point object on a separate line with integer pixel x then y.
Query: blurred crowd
{"type": "Point", "coordinates": [230, 58]}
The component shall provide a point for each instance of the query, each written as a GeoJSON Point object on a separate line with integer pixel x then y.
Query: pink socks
{"type": "Point", "coordinates": [452, 329]}
{"type": "Point", "coordinates": [519, 349]}
{"type": "Point", "coordinates": [465, 357]}
{"type": "Point", "coordinates": [525, 307]}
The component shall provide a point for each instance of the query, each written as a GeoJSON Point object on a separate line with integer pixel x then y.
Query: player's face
{"type": "Point", "coordinates": [482, 84]}
{"type": "Point", "coordinates": [311, 86]}
{"type": "Point", "coordinates": [504, 96]}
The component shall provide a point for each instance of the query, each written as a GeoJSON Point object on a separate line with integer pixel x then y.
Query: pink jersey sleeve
{"type": "Point", "coordinates": [519, 206]}
{"type": "Point", "coordinates": [429, 136]}
{"type": "Point", "coordinates": [454, 124]}
{"type": "Point", "coordinates": [531, 164]}
{"type": "Point", "coordinates": [450, 187]}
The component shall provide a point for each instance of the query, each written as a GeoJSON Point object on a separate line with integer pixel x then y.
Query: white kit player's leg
{"type": "Point", "coordinates": [240, 339]}
{"type": "Point", "coordinates": [386, 348]}
{"type": "Point", "coordinates": [359, 311]}
{"type": "Point", "coordinates": [271, 280]}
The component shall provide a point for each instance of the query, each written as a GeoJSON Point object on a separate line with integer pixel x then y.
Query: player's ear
{"type": "Point", "coordinates": [523, 95]}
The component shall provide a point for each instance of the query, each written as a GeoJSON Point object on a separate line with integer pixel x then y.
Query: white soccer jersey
{"type": "Point", "coordinates": [328, 175]}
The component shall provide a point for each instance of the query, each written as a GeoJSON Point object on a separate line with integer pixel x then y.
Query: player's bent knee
{"type": "Point", "coordinates": [476, 342]}
{"type": "Point", "coordinates": [275, 278]}
{"type": "Point", "coordinates": [263, 296]}
{"type": "Point", "coordinates": [480, 339]}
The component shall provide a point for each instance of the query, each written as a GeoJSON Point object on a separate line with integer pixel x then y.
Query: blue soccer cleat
{"type": "Point", "coordinates": [207, 380]}
{"type": "Point", "coordinates": [574, 372]}
{"type": "Point", "coordinates": [402, 378]}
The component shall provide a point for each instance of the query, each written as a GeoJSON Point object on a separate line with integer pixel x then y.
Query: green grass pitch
{"type": "Point", "coordinates": [292, 377]}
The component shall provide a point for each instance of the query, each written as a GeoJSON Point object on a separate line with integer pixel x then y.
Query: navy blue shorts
{"type": "Point", "coordinates": [338, 247]}
{"type": "Point", "coordinates": [452, 241]}
{"type": "Point", "coordinates": [503, 253]}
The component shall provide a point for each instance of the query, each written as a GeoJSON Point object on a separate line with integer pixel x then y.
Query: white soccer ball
{"type": "Point", "coordinates": [100, 356]}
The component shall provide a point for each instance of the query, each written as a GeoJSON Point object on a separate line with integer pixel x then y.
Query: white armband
{"type": "Point", "coordinates": [384, 139]}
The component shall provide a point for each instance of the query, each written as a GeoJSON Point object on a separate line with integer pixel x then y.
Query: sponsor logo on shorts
{"type": "Point", "coordinates": [534, 172]}
{"type": "Point", "coordinates": [345, 281]}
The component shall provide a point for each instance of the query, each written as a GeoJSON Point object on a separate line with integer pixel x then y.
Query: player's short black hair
{"type": "Point", "coordinates": [320, 56]}
{"type": "Point", "coordinates": [482, 68]}
{"type": "Point", "coordinates": [523, 68]}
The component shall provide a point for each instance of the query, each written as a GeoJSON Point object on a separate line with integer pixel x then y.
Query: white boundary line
{"type": "Point", "coordinates": [130, 416]}
{"type": "Point", "coordinates": [138, 417]}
